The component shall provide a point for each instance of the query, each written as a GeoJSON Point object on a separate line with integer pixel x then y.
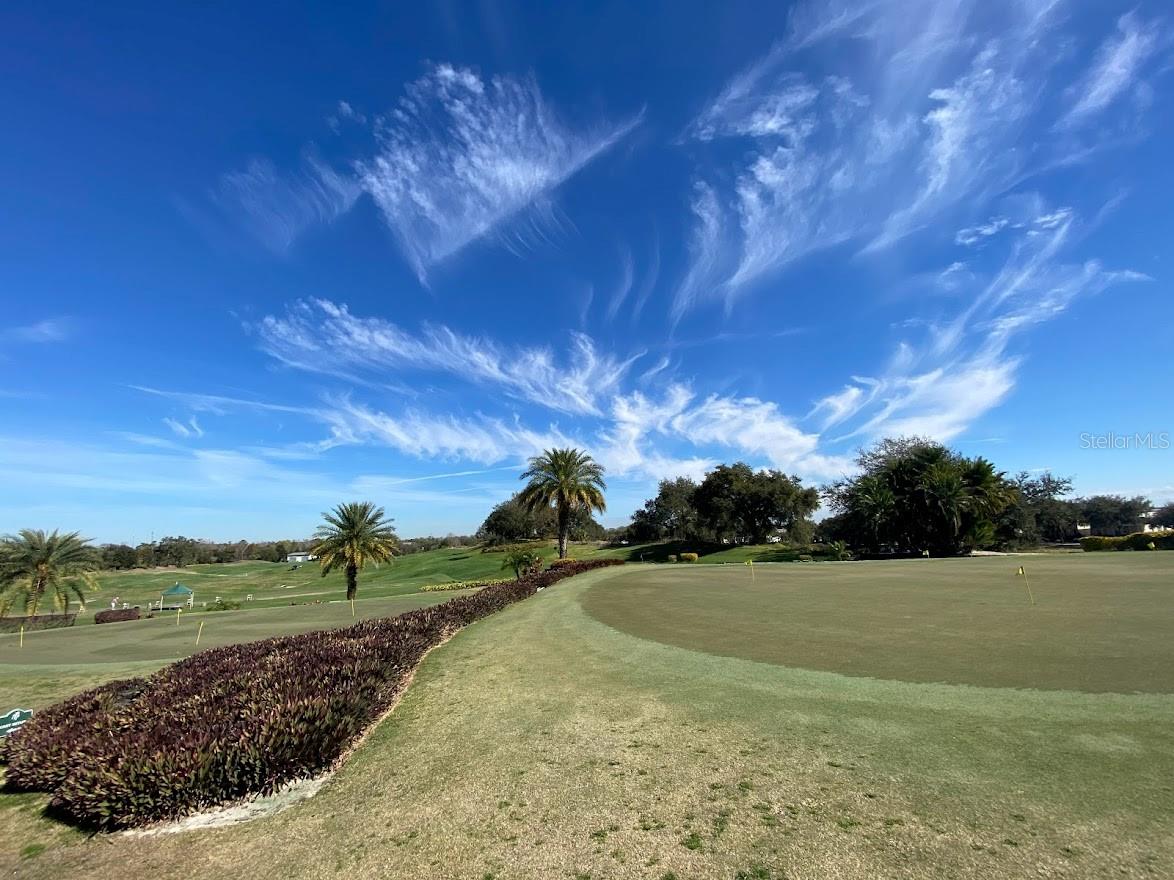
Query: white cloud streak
{"type": "Point", "coordinates": [319, 335]}
{"type": "Point", "coordinates": [928, 110]}
{"type": "Point", "coordinates": [47, 331]}
{"type": "Point", "coordinates": [1115, 69]}
{"type": "Point", "coordinates": [461, 155]}
{"type": "Point", "coordinates": [966, 367]}
{"type": "Point", "coordinates": [276, 208]}
{"type": "Point", "coordinates": [190, 428]}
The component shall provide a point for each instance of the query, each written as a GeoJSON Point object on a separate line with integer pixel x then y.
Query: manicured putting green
{"type": "Point", "coordinates": [1101, 623]}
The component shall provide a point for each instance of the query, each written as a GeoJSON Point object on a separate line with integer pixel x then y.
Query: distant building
{"type": "Point", "coordinates": [298, 558]}
{"type": "Point", "coordinates": [1083, 529]}
{"type": "Point", "coordinates": [1147, 524]}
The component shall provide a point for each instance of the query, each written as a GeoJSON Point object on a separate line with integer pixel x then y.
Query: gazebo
{"type": "Point", "coordinates": [177, 597]}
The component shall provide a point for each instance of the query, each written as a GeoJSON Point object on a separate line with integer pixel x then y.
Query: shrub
{"type": "Point", "coordinates": [806, 557]}
{"type": "Point", "coordinates": [224, 605]}
{"type": "Point", "coordinates": [506, 548]}
{"type": "Point", "coordinates": [561, 563]}
{"type": "Point", "coordinates": [838, 551]}
{"type": "Point", "coordinates": [672, 557]}
{"type": "Point", "coordinates": [688, 557]}
{"type": "Point", "coordinates": [1136, 541]}
{"type": "Point", "coordinates": [117, 615]}
{"type": "Point", "coordinates": [238, 720]}
{"type": "Point", "coordinates": [35, 622]}
{"type": "Point", "coordinates": [464, 585]}
{"type": "Point", "coordinates": [522, 562]}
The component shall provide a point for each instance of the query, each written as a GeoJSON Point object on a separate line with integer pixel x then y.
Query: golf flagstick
{"type": "Point", "coordinates": [1023, 573]}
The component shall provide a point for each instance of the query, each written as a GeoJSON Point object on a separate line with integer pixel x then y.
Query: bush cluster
{"type": "Point", "coordinates": [237, 720]}
{"type": "Point", "coordinates": [688, 557]}
{"type": "Point", "coordinates": [1136, 541]}
{"type": "Point", "coordinates": [561, 563]}
{"type": "Point", "coordinates": [464, 585]}
{"type": "Point", "coordinates": [36, 621]}
{"type": "Point", "coordinates": [117, 615]}
{"type": "Point", "coordinates": [509, 548]}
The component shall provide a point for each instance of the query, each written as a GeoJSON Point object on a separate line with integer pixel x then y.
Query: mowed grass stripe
{"type": "Point", "coordinates": [161, 639]}
{"type": "Point", "coordinates": [276, 583]}
{"type": "Point", "coordinates": [1100, 623]}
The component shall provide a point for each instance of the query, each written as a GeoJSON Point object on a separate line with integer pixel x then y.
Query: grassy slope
{"type": "Point", "coordinates": [543, 743]}
{"type": "Point", "coordinates": [273, 583]}
{"type": "Point", "coordinates": [161, 639]}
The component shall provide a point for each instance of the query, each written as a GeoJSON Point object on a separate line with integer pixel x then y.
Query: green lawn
{"type": "Point", "coordinates": [545, 742]}
{"type": "Point", "coordinates": [1100, 622]}
{"type": "Point", "coordinates": [274, 583]}
{"type": "Point", "coordinates": [161, 638]}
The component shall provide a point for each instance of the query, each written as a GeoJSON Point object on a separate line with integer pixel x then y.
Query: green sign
{"type": "Point", "coordinates": [14, 720]}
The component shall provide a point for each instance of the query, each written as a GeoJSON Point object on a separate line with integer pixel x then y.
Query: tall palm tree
{"type": "Point", "coordinates": [353, 535]}
{"type": "Point", "coordinates": [34, 564]}
{"type": "Point", "coordinates": [568, 479]}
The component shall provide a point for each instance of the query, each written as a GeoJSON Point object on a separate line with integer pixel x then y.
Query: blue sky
{"type": "Point", "coordinates": [256, 260]}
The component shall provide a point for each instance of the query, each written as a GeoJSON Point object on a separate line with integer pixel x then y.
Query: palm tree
{"type": "Point", "coordinates": [35, 564]}
{"type": "Point", "coordinates": [520, 560]}
{"type": "Point", "coordinates": [353, 535]}
{"type": "Point", "coordinates": [568, 479]}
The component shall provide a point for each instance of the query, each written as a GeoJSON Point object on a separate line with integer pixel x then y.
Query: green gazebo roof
{"type": "Point", "coordinates": [178, 590]}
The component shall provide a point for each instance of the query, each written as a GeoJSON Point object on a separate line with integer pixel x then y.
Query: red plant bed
{"type": "Point", "coordinates": [234, 721]}
{"type": "Point", "coordinates": [117, 615]}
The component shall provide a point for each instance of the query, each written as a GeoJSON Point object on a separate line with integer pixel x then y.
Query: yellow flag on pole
{"type": "Point", "coordinates": [1023, 574]}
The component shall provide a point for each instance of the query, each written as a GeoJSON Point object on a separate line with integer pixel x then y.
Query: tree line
{"type": "Point", "coordinates": [733, 504]}
{"type": "Point", "coordinates": [180, 551]}
{"type": "Point", "coordinates": [910, 496]}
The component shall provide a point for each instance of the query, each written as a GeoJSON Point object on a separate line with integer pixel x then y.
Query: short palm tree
{"type": "Point", "coordinates": [34, 564]}
{"type": "Point", "coordinates": [353, 535]}
{"type": "Point", "coordinates": [521, 561]}
{"type": "Point", "coordinates": [569, 480]}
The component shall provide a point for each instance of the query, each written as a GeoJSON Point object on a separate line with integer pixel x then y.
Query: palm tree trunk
{"type": "Point", "coordinates": [564, 529]}
{"type": "Point", "coordinates": [352, 581]}
{"type": "Point", "coordinates": [34, 602]}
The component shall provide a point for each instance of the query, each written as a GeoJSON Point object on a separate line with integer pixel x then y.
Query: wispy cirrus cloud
{"type": "Point", "coordinates": [721, 425]}
{"type": "Point", "coordinates": [321, 336]}
{"type": "Point", "coordinates": [919, 112]}
{"type": "Point", "coordinates": [459, 158]}
{"type": "Point", "coordinates": [486, 440]}
{"type": "Point", "coordinates": [1116, 70]}
{"type": "Point", "coordinates": [190, 428]}
{"type": "Point", "coordinates": [277, 207]}
{"type": "Point", "coordinates": [47, 331]}
{"type": "Point", "coordinates": [965, 366]}
{"type": "Point", "coordinates": [460, 155]}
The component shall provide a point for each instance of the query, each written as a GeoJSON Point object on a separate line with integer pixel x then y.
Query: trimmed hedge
{"type": "Point", "coordinates": [35, 622]}
{"type": "Point", "coordinates": [117, 615]}
{"type": "Point", "coordinates": [689, 557]}
{"type": "Point", "coordinates": [237, 720]}
{"type": "Point", "coordinates": [1136, 541]}
{"type": "Point", "coordinates": [561, 563]}
{"type": "Point", "coordinates": [465, 585]}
